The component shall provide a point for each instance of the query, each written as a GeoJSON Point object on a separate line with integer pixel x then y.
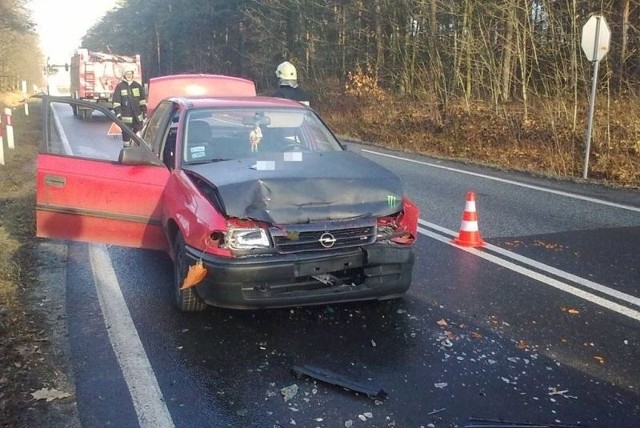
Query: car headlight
{"type": "Point", "coordinates": [247, 239]}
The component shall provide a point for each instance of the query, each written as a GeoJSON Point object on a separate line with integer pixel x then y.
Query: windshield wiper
{"type": "Point", "coordinates": [207, 161]}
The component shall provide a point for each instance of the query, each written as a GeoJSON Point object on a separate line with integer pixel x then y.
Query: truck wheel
{"type": "Point", "coordinates": [186, 300]}
{"type": "Point", "coordinates": [75, 110]}
{"type": "Point", "coordinates": [87, 114]}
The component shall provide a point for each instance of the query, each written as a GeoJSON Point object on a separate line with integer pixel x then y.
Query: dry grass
{"type": "Point", "coordinates": [546, 143]}
{"type": "Point", "coordinates": [20, 355]}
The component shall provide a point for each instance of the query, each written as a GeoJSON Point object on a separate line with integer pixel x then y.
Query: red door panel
{"type": "Point", "coordinates": [100, 201]}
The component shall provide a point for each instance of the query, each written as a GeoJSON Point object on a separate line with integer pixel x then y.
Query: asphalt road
{"type": "Point", "coordinates": [539, 327]}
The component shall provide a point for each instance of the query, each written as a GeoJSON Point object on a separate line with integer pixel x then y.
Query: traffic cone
{"type": "Point", "coordinates": [469, 235]}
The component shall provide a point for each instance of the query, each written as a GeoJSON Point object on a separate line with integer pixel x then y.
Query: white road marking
{"type": "Point", "coordinates": [566, 275]}
{"type": "Point", "coordinates": [137, 371]}
{"type": "Point", "coordinates": [63, 136]}
{"type": "Point", "coordinates": [623, 310]}
{"type": "Point", "coordinates": [515, 183]}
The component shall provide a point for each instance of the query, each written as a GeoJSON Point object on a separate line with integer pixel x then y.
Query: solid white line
{"type": "Point", "coordinates": [63, 136]}
{"type": "Point", "coordinates": [550, 269]}
{"type": "Point", "coordinates": [515, 183]}
{"type": "Point", "coordinates": [623, 310]}
{"type": "Point", "coordinates": [137, 371]}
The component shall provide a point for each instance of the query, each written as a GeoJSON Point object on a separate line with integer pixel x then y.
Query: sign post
{"type": "Point", "coordinates": [1, 143]}
{"type": "Point", "coordinates": [595, 45]}
{"type": "Point", "coordinates": [26, 98]}
{"type": "Point", "coordinates": [9, 128]}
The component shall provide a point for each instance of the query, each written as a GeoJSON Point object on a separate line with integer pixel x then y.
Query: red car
{"type": "Point", "coordinates": [255, 200]}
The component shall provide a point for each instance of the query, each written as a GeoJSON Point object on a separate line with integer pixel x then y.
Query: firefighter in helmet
{"type": "Point", "coordinates": [129, 101]}
{"type": "Point", "coordinates": [288, 84]}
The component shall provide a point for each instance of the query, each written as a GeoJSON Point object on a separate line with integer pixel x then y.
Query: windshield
{"type": "Point", "coordinates": [226, 134]}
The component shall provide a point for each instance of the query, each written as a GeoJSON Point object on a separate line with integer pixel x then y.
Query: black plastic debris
{"type": "Point", "coordinates": [500, 423]}
{"type": "Point", "coordinates": [336, 379]}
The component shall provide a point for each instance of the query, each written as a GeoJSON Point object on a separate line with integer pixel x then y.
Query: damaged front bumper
{"type": "Point", "coordinates": [378, 271]}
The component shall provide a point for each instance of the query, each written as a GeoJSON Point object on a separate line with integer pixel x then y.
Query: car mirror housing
{"type": "Point", "coordinates": [137, 155]}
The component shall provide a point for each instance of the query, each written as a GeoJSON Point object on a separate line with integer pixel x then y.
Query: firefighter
{"type": "Point", "coordinates": [129, 102]}
{"type": "Point", "coordinates": [288, 84]}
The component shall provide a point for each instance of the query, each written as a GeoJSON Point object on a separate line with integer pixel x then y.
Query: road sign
{"type": "Point", "coordinates": [595, 38]}
{"type": "Point", "coordinates": [114, 130]}
{"type": "Point", "coordinates": [595, 45]}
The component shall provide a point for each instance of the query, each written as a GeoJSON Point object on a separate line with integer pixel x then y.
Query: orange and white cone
{"type": "Point", "coordinates": [469, 235]}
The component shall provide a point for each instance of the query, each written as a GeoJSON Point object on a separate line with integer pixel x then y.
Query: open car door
{"type": "Point", "coordinates": [88, 188]}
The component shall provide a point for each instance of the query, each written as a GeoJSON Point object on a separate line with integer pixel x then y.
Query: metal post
{"type": "Point", "coordinates": [46, 73]}
{"type": "Point", "coordinates": [9, 127]}
{"type": "Point", "coordinates": [592, 101]}
{"type": "Point", "coordinates": [1, 143]}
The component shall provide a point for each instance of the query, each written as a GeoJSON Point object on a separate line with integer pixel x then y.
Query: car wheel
{"type": "Point", "coordinates": [186, 300]}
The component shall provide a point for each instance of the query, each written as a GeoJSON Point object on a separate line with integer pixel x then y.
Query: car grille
{"type": "Point", "coordinates": [299, 238]}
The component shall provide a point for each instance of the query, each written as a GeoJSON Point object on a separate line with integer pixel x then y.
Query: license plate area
{"type": "Point", "coordinates": [335, 264]}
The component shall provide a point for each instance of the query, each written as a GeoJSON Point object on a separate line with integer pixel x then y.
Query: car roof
{"type": "Point", "coordinates": [257, 102]}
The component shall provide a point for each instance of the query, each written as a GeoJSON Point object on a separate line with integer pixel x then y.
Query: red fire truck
{"type": "Point", "coordinates": [94, 76]}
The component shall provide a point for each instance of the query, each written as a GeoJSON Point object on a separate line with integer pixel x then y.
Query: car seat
{"type": "Point", "coordinates": [199, 141]}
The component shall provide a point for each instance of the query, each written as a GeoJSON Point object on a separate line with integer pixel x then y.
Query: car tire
{"type": "Point", "coordinates": [186, 300]}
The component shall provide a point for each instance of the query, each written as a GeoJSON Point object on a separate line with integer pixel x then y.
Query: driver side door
{"type": "Point", "coordinates": [88, 188]}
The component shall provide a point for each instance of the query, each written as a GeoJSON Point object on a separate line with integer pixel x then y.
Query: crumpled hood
{"type": "Point", "coordinates": [320, 187]}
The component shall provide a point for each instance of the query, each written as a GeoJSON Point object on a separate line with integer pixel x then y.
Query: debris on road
{"type": "Point", "coordinates": [289, 392]}
{"type": "Point", "coordinates": [49, 394]}
{"type": "Point", "coordinates": [335, 379]}
{"type": "Point", "coordinates": [501, 423]}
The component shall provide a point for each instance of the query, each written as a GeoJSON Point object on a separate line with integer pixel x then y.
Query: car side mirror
{"type": "Point", "coordinates": [137, 155]}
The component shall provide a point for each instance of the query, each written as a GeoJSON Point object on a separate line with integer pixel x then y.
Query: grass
{"type": "Point", "coordinates": [18, 332]}
{"type": "Point", "coordinates": [548, 142]}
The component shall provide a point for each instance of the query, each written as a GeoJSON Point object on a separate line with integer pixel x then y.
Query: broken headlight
{"type": "Point", "coordinates": [247, 239]}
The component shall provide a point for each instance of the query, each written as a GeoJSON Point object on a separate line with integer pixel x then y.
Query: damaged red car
{"type": "Point", "coordinates": [256, 201]}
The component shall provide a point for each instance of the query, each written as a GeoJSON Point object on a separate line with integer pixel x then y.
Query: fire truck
{"type": "Point", "coordinates": [94, 76]}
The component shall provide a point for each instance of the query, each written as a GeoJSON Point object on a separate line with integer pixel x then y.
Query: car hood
{"type": "Point", "coordinates": [306, 187]}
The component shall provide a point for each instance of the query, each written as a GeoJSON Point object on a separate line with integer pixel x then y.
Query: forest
{"type": "Point", "coordinates": [20, 54]}
{"type": "Point", "coordinates": [502, 82]}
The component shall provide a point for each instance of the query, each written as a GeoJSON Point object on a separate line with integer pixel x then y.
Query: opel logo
{"type": "Point", "coordinates": [327, 240]}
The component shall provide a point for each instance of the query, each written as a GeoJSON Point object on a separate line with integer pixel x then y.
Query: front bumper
{"type": "Point", "coordinates": [379, 271]}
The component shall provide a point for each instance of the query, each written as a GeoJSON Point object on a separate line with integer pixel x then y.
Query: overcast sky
{"type": "Point", "coordinates": [62, 23]}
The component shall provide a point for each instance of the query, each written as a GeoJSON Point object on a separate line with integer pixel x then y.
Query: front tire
{"type": "Point", "coordinates": [186, 300]}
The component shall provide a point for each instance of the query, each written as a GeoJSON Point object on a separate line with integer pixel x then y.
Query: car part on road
{"type": "Point", "coordinates": [336, 379]}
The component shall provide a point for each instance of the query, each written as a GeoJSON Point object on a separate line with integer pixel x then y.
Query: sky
{"type": "Point", "coordinates": [61, 24]}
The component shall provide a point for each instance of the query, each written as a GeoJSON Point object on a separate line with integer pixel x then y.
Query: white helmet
{"type": "Point", "coordinates": [286, 71]}
{"type": "Point", "coordinates": [129, 67]}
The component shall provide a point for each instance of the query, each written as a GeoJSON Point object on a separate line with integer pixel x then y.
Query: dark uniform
{"type": "Point", "coordinates": [130, 104]}
{"type": "Point", "coordinates": [297, 94]}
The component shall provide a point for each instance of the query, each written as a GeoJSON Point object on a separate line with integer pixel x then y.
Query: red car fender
{"type": "Point", "coordinates": [182, 201]}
